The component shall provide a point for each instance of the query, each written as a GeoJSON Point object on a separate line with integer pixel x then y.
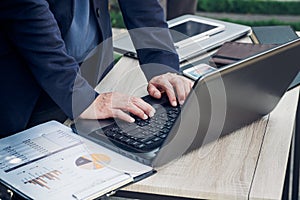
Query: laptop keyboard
{"type": "Point", "coordinates": [142, 135]}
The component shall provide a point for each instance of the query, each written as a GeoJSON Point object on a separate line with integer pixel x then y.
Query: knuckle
{"type": "Point", "coordinates": [116, 113]}
{"type": "Point", "coordinates": [134, 100]}
{"type": "Point", "coordinates": [136, 111]}
{"type": "Point", "coordinates": [181, 96]}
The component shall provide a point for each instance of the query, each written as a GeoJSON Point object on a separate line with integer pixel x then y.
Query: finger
{"type": "Point", "coordinates": [139, 108]}
{"type": "Point", "coordinates": [117, 113]}
{"type": "Point", "coordinates": [188, 86]}
{"type": "Point", "coordinates": [168, 88]}
{"type": "Point", "coordinates": [147, 108]}
{"type": "Point", "coordinates": [136, 111]}
{"type": "Point", "coordinates": [128, 104]}
{"type": "Point", "coordinates": [154, 91]}
{"type": "Point", "coordinates": [178, 84]}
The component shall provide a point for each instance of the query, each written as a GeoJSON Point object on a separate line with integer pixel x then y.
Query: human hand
{"type": "Point", "coordinates": [173, 84]}
{"type": "Point", "coordinates": [114, 104]}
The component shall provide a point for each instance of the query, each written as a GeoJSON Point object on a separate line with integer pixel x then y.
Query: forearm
{"type": "Point", "coordinates": [150, 35]}
{"type": "Point", "coordinates": [36, 36]}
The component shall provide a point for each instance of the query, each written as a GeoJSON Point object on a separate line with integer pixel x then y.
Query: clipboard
{"type": "Point", "coordinates": [49, 160]}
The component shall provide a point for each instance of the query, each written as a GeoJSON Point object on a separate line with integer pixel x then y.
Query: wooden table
{"type": "Point", "coordinates": [249, 163]}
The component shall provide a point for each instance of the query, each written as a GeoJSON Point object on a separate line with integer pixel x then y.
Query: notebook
{"type": "Point", "coordinates": [273, 34]}
{"type": "Point", "coordinates": [192, 35]}
{"type": "Point", "coordinates": [50, 161]}
{"type": "Point", "coordinates": [279, 34]}
{"type": "Point", "coordinates": [231, 52]}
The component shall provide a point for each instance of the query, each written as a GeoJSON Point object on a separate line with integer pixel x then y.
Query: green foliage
{"type": "Point", "coordinates": [294, 25]}
{"type": "Point", "coordinates": [234, 6]}
{"type": "Point", "coordinates": [250, 6]}
{"type": "Point", "coordinates": [116, 19]}
{"type": "Point", "coordinates": [116, 15]}
{"type": "Point", "coordinates": [117, 57]}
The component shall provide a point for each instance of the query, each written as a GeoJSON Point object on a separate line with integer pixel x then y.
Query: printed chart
{"type": "Point", "coordinates": [92, 161]}
{"type": "Point", "coordinates": [43, 179]}
{"type": "Point", "coordinates": [31, 150]}
{"type": "Point", "coordinates": [49, 161]}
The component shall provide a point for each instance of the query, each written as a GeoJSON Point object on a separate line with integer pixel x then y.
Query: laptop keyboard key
{"type": "Point", "coordinates": [142, 135]}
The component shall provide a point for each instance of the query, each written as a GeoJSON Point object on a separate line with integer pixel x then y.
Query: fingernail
{"type": "Point", "coordinates": [131, 120]}
{"type": "Point", "coordinates": [156, 94]}
{"type": "Point", "coordinates": [181, 102]}
{"type": "Point", "coordinates": [151, 114]}
{"type": "Point", "coordinates": [145, 116]}
{"type": "Point", "coordinates": [174, 103]}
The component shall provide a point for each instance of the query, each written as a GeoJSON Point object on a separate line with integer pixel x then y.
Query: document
{"type": "Point", "coordinates": [50, 161]}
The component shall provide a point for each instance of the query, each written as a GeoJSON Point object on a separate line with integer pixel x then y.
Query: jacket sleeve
{"type": "Point", "coordinates": [150, 35]}
{"type": "Point", "coordinates": [34, 32]}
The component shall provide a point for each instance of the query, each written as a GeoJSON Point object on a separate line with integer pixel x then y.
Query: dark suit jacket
{"type": "Point", "coordinates": [33, 57]}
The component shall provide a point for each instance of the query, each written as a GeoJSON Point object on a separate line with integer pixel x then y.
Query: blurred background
{"type": "Point", "coordinates": [247, 12]}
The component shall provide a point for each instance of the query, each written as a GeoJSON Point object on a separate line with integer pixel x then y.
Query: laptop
{"type": "Point", "coordinates": [219, 103]}
{"type": "Point", "coordinates": [192, 35]}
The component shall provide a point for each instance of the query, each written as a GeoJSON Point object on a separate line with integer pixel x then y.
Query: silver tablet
{"type": "Point", "coordinates": [192, 35]}
{"type": "Point", "coordinates": [191, 29]}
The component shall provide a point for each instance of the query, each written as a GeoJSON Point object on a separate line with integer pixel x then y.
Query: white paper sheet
{"type": "Point", "coordinates": [49, 161]}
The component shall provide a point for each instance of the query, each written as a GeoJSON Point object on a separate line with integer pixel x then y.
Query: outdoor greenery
{"type": "Point", "coordinates": [266, 7]}
{"type": "Point", "coordinates": [250, 6]}
{"type": "Point", "coordinates": [294, 25]}
{"type": "Point", "coordinates": [234, 6]}
{"type": "Point", "coordinates": [116, 18]}
{"type": "Point", "coordinates": [115, 14]}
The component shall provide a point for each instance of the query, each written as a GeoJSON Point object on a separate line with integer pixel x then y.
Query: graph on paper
{"type": "Point", "coordinates": [50, 161]}
{"type": "Point", "coordinates": [43, 179]}
{"type": "Point", "coordinates": [31, 150]}
{"type": "Point", "coordinates": [92, 161]}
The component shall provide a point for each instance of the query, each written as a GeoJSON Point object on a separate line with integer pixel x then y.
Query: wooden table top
{"type": "Point", "coordinates": [249, 163]}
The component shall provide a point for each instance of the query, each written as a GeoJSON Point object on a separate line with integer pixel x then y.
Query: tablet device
{"type": "Point", "coordinates": [192, 35]}
{"type": "Point", "coordinates": [190, 30]}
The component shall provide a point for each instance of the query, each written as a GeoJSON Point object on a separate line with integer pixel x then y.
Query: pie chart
{"type": "Point", "coordinates": [92, 161]}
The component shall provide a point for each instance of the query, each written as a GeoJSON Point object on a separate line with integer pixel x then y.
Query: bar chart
{"type": "Point", "coordinates": [31, 150]}
{"type": "Point", "coordinates": [43, 179]}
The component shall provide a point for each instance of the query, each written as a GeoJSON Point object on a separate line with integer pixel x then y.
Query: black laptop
{"type": "Point", "coordinates": [219, 103]}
